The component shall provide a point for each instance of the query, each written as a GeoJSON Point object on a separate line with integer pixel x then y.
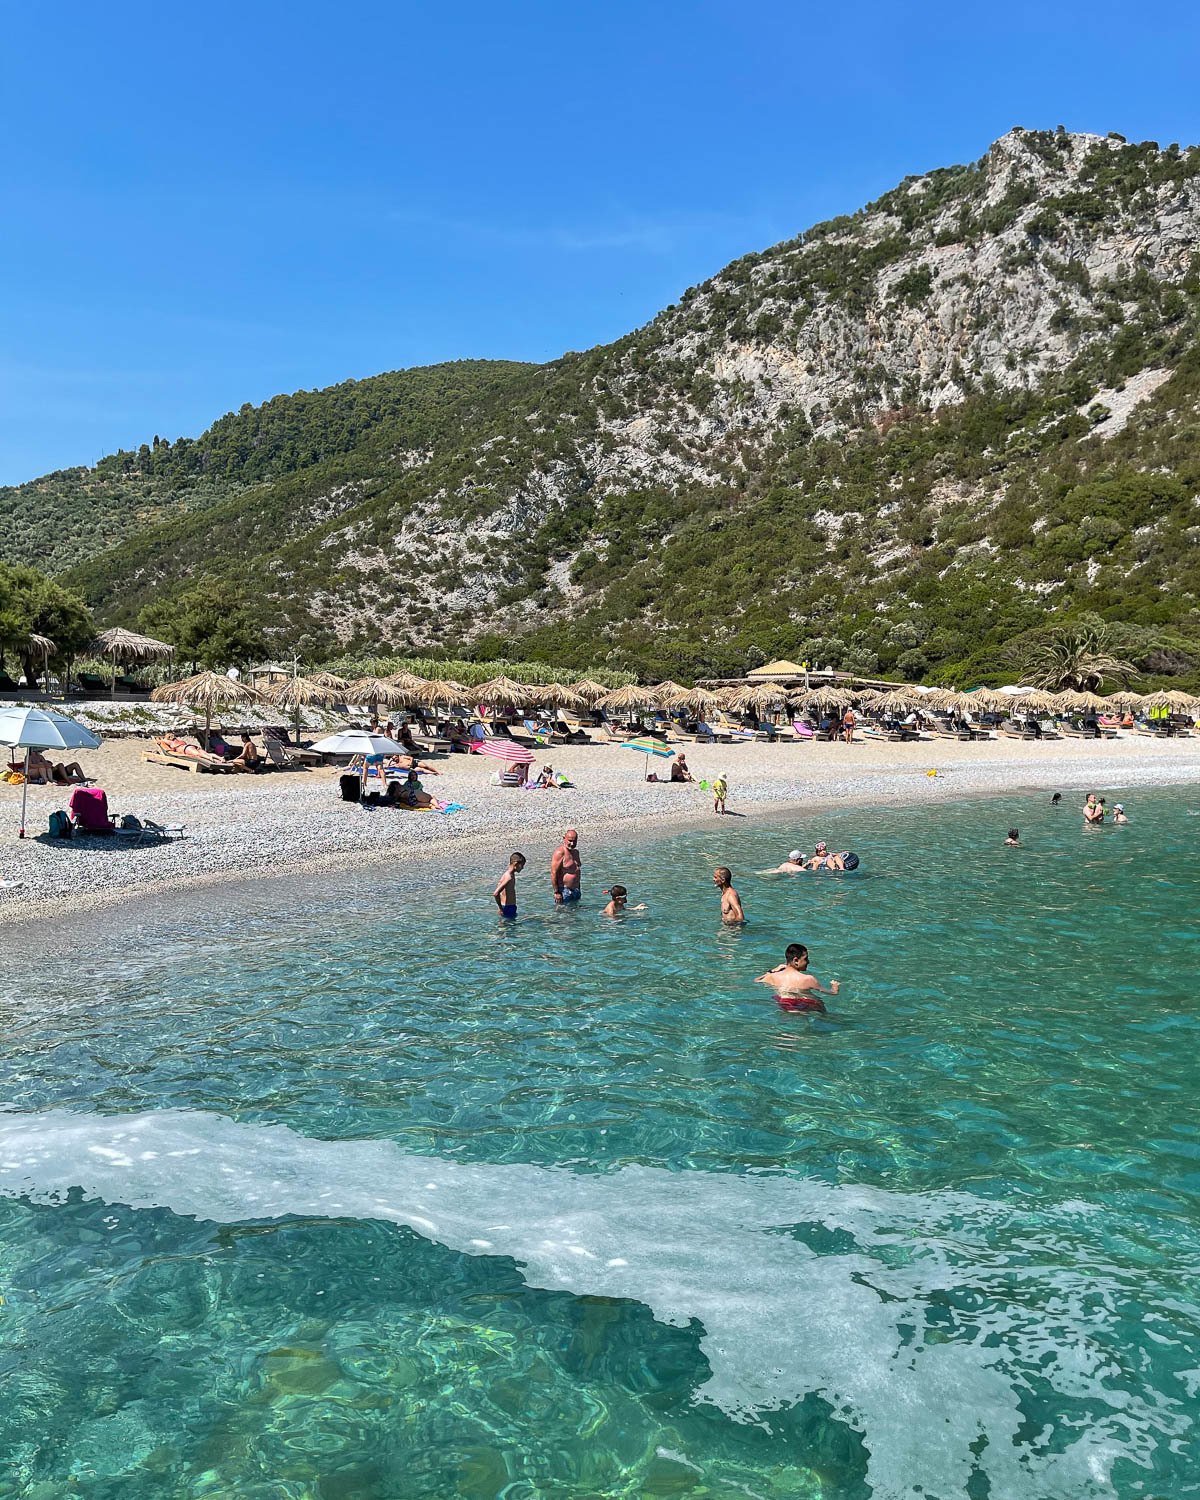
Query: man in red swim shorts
{"type": "Point", "coordinates": [795, 988]}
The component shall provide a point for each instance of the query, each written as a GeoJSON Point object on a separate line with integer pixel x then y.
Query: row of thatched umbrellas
{"type": "Point", "coordinates": [211, 693]}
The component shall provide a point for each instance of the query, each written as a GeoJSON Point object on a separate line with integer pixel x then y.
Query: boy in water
{"type": "Point", "coordinates": [731, 903]}
{"type": "Point", "coordinates": [505, 894]}
{"type": "Point", "coordinates": [720, 790]}
{"type": "Point", "coordinates": [619, 902]}
{"type": "Point", "coordinates": [795, 988]}
{"type": "Point", "coordinates": [1014, 838]}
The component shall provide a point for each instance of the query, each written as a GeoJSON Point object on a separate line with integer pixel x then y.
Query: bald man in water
{"type": "Point", "coordinates": [566, 870]}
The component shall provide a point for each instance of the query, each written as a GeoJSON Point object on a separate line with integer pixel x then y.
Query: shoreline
{"type": "Point", "coordinates": [244, 830]}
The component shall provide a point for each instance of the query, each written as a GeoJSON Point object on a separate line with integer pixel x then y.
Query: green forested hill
{"type": "Point", "coordinates": [896, 442]}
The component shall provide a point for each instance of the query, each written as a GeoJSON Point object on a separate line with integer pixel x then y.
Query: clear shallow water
{"type": "Point", "coordinates": [358, 1194]}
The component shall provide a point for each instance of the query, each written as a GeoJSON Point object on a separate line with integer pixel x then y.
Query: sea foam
{"type": "Point", "coordinates": [924, 1319]}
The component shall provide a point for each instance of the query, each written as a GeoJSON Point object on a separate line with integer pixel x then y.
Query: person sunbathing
{"type": "Point", "coordinates": [42, 769]}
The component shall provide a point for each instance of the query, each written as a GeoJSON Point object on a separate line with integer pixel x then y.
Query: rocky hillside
{"type": "Point", "coordinates": [897, 441]}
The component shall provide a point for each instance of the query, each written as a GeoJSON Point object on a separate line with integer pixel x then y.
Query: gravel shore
{"type": "Point", "coordinates": [287, 820]}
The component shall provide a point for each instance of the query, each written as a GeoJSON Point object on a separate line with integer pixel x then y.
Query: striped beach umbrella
{"type": "Point", "coordinates": [648, 747]}
{"type": "Point", "coordinates": [506, 750]}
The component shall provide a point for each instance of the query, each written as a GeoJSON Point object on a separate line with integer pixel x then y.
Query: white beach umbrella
{"type": "Point", "coordinates": [358, 742]}
{"type": "Point", "coordinates": [29, 728]}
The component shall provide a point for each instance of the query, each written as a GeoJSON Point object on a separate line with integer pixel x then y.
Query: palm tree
{"type": "Point", "coordinates": [1074, 657]}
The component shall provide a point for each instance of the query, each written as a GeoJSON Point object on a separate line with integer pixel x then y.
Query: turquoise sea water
{"type": "Point", "coordinates": [341, 1189]}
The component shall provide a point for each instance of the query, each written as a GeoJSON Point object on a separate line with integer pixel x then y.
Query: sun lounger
{"type": "Point", "coordinates": [186, 755]}
{"type": "Point", "coordinates": [1009, 731]}
{"type": "Point", "coordinates": [296, 752]}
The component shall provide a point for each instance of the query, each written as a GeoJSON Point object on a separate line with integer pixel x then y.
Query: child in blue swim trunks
{"type": "Point", "coordinates": [505, 894]}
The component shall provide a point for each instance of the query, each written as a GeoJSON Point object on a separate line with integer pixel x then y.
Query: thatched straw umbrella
{"type": "Point", "coordinates": [829, 697]}
{"type": "Point", "coordinates": [124, 646]}
{"type": "Point", "coordinates": [558, 695]}
{"type": "Point", "coordinates": [37, 648]}
{"type": "Point", "coordinates": [373, 691]}
{"type": "Point", "coordinates": [628, 699]}
{"type": "Point", "coordinates": [503, 692]}
{"type": "Point", "coordinates": [442, 692]}
{"type": "Point", "coordinates": [591, 692]}
{"type": "Point", "coordinates": [668, 694]}
{"type": "Point", "coordinates": [757, 698]}
{"type": "Point", "coordinates": [986, 700]}
{"type": "Point", "coordinates": [299, 692]}
{"type": "Point", "coordinates": [1125, 699]}
{"type": "Point", "coordinates": [208, 693]}
{"type": "Point", "coordinates": [1173, 699]}
{"type": "Point", "coordinates": [698, 703]}
{"type": "Point", "coordinates": [898, 699]}
{"type": "Point", "coordinates": [408, 683]}
{"type": "Point", "coordinates": [331, 680]}
{"type": "Point", "coordinates": [1036, 700]}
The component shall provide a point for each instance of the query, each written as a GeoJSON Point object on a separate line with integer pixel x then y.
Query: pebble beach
{"type": "Point", "coordinates": [240, 826]}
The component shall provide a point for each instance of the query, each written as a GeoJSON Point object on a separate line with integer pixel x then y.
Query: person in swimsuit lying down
{"type": "Point", "coordinates": [505, 894]}
{"type": "Point", "coordinates": [795, 988]}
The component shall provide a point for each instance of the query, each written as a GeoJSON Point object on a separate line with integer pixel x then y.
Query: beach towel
{"type": "Point", "coordinates": [89, 810]}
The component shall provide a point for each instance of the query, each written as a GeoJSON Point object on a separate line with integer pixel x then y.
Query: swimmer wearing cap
{"type": "Point", "coordinates": [1119, 814]}
{"type": "Point", "coordinates": [793, 865]}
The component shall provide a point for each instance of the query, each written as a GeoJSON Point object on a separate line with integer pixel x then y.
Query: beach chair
{"type": "Point", "coordinates": [280, 757]}
{"type": "Point", "coordinates": [184, 754]}
{"type": "Point", "coordinates": [91, 683]}
{"type": "Point", "coordinates": [1013, 731]}
{"type": "Point", "coordinates": [294, 752]}
{"type": "Point", "coordinates": [87, 807]}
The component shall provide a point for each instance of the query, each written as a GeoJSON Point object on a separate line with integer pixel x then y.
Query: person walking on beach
{"type": "Point", "coordinates": [848, 723]}
{"type": "Point", "coordinates": [566, 870]}
{"type": "Point", "coordinates": [720, 790]}
{"type": "Point", "coordinates": [505, 894]}
{"type": "Point", "coordinates": [731, 903]}
{"type": "Point", "coordinates": [795, 988]}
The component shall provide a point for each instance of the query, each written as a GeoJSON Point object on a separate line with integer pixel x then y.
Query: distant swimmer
{"type": "Point", "coordinates": [795, 988]}
{"type": "Point", "coordinates": [566, 870]}
{"type": "Point", "coordinates": [1093, 809]}
{"type": "Point", "coordinates": [1014, 838]}
{"type": "Point", "coordinates": [1119, 814]}
{"type": "Point", "coordinates": [792, 865]}
{"type": "Point", "coordinates": [731, 903]}
{"type": "Point", "coordinates": [619, 902]}
{"type": "Point", "coordinates": [505, 894]}
{"type": "Point", "coordinates": [1056, 800]}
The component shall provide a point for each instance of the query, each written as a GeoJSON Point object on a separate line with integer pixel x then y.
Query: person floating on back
{"type": "Point", "coordinates": [720, 790]}
{"type": "Point", "coordinates": [505, 894]}
{"type": "Point", "coordinates": [731, 903]}
{"type": "Point", "coordinates": [795, 988]}
{"type": "Point", "coordinates": [619, 902]}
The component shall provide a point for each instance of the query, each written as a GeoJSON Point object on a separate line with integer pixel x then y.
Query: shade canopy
{"type": "Point", "coordinates": [300, 692]}
{"type": "Point", "coordinates": [128, 646]}
{"type": "Point", "coordinates": [829, 697]}
{"type": "Point", "coordinates": [591, 692]}
{"type": "Point", "coordinates": [358, 742]}
{"type": "Point", "coordinates": [558, 695]}
{"type": "Point", "coordinates": [1170, 699]}
{"type": "Point", "coordinates": [621, 700]}
{"type": "Point", "coordinates": [777, 669]}
{"type": "Point", "coordinates": [755, 699]}
{"type": "Point", "coordinates": [30, 728]}
{"type": "Point", "coordinates": [503, 692]}
{"type": "Point", "coordinates": [506, 750]}
{"type": "Point", "coordinates": [374, 691]}
{"type": "Point", "coordinates": [899, 698]}
{"type": "Point", "coordinates": [987, 701]}
{"type": "Point", "coordinates": [648, 747]}
{"type": "Point", "coordinates": [441, 692]}
{"type": "Point", "coordinates": [668, 694]}
{"type": "Point", "coordinates": [698, 702]}
{"type": "Point", "coordinates": [331, 680]}
{"type": "Point", "coordinates": [208, 693]}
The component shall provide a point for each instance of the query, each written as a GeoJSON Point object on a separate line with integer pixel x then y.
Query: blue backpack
{"type": "Point", "coordinates": [60, 825]}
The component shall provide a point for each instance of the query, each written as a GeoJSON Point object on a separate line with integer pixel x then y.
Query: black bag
{"type": "Point", "coordinates": [351, 786]}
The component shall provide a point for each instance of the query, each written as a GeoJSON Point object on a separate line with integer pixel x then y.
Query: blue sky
{"type": "Point", "coordinates": [208, 204]}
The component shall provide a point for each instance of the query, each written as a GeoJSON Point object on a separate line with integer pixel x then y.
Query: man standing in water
{"type": "Point", "coordinates": [566, 870]}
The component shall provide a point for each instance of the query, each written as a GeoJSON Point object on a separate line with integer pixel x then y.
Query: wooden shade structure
{"type": "Point", "coordinates": [331, 680]}
{"type": "Point", "coordinates": [668, 694]}
{"type": "Point", "coordinates": [759, 698]}
{"type": "Point", "coordinates": [503, 692]}
{"type": "Point", "coordinates": [300, 692]}
{"type": "Point", "coordinates": [699, 702]}
{"type": "Point", "coordinates": [126, 646]}
{"type": "Point", "coordinates": [591, 692]}
{"type": "Point", "coordinates": [208, 693]}
{"type": "Point", "coordinates": [830, 697]}
{"type": "Point", "coordinates": [628, 699]}
{"type": "Point", "coordinates": [558, 695]}
{"type": "Point", "coordinates": [442, 692]}
{"type": "Point", "coordinates": [374, 691]}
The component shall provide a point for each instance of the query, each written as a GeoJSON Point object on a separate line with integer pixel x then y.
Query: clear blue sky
{"type": "Point", "coordinates": [210, 203]}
